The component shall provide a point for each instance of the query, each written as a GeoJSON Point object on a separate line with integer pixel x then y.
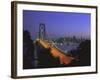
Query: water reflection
{"type": "Point", "coordinates": [67, 47]}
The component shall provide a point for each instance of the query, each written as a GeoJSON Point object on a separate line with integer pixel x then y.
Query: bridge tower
{"type": "Point", "coordinates": [42, 31]}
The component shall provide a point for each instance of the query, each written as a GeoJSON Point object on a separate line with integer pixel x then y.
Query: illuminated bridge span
{"type": "Point", "coordinates": [56, 53]}
{"type": "Point", "coordinates": [46, 43]}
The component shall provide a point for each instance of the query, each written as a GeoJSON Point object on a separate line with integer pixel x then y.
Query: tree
{"type": "Point", "coordinates": [28, 50]}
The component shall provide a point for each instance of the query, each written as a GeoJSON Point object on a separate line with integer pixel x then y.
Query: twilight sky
{"type": "Point", "coordinates": [57, 23]}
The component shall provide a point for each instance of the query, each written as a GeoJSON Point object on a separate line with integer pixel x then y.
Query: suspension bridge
{"type": "Point", "coordinates": [44, 41]}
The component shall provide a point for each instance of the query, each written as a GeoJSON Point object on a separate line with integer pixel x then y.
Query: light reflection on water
{"type": "Point", "coordinates": [67, 47]}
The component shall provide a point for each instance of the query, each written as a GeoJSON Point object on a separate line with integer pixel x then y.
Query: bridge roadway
{"type": "Point", "coordinates": [56, 53]}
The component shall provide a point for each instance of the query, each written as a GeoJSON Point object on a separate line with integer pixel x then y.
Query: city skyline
{"type": "Point", "coordinates": [58, 24]}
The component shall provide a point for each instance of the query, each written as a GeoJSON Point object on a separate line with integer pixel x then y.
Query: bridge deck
{"type": "Point", "coordinates": [63, 58]}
